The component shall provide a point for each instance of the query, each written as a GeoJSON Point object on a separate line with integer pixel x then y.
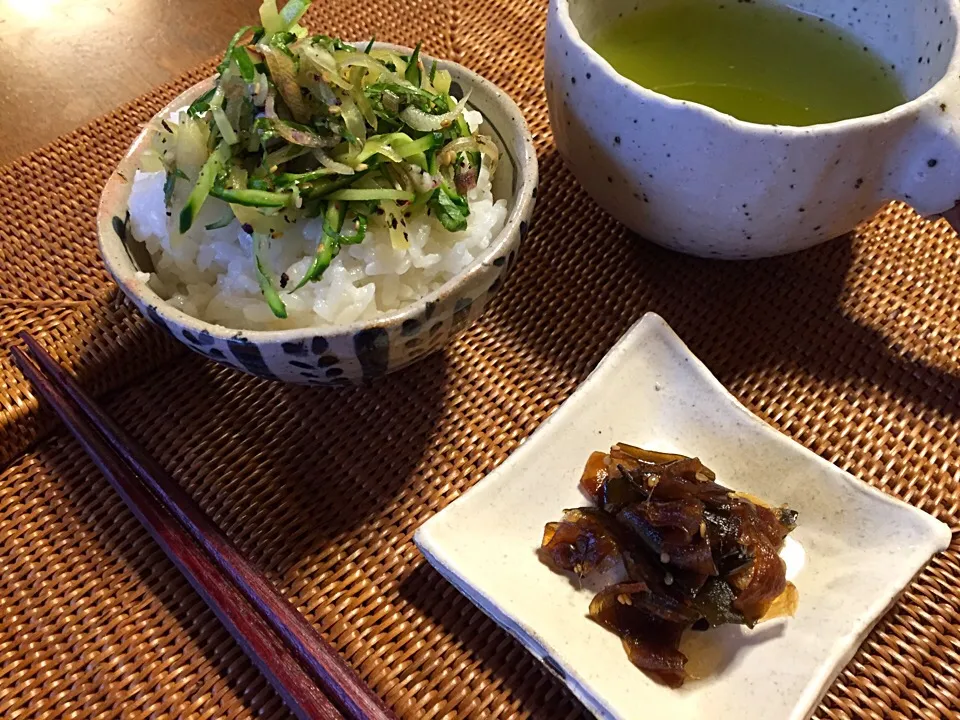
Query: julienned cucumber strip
{"type": "Point", "coordinates": [329, 246]}
{"type": "Point", "coordinates": [270, 293]}
{"type": "Point", "coordinates": [372, 194]}
{"type": "Point", "coordinates": [252, 198]}
{"type": "Point", "coordinates": [208, 175]}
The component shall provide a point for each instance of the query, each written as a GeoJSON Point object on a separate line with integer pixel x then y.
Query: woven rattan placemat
{"type": "Point", "coordinates": [852, 348]}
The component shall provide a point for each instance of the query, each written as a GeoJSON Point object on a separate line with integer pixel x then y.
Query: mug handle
{"type": "Point", "coordinates": [927, 173]}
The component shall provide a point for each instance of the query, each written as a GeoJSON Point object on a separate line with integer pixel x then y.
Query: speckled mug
{"type": "Point", "coordinates": [699, 181]}
{"type": "Point", "coordinates": [341, 354]}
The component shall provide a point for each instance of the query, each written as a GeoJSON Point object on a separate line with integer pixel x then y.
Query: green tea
{"type": "Point", "coordinates": [760, 63]}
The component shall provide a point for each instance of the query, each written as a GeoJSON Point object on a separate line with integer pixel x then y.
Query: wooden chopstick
{"type": "Point", "coordinates": [337, 679]}
{"type": "Point", "coordinates": [246, 625]}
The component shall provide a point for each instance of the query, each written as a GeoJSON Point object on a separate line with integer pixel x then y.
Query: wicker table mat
{"type": "Point", "coordinates": [852, 348]}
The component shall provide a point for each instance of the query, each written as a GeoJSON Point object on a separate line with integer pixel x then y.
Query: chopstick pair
{"type": "Point", "coordinates": [304, 669]}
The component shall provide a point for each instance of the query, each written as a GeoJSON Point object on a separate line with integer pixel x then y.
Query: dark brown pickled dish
{"type": "Point", "coordinates": [694, 553]}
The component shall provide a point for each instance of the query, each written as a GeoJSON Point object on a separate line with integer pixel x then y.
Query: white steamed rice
{"type": "Point", "coordinates": [209, 274]}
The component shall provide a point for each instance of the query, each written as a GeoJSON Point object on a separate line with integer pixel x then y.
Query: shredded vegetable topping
{"type": "Point", "coordinates": [310, 126]}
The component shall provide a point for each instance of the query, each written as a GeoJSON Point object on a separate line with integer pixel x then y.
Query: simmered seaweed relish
{"type": "Point", "coordinates": [694, 553]}
{"type": "Point", "coordinates": [308, 125]}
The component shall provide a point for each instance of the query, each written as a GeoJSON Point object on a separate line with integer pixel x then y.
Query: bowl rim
{"type": "Point", "coordinates": [560, 11]}
{"type": "Point", "coordinates": [121, 267]}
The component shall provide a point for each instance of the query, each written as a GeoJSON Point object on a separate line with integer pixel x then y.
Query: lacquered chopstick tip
{"type": "Point", "coordinates": [41, 361]}
{"type": "Point", "coordinates": [30, 341]}
{"type": "Point", "coordinates": [29, 368]}
{"type": "Point", "coordinates": [21, 360]}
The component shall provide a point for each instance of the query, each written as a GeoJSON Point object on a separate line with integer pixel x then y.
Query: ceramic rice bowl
{"type": "Point", "coordinates": [340, 354]}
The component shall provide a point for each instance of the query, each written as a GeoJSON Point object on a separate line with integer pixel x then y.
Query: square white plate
{"type": "Point", "coordinates": [860, 547]}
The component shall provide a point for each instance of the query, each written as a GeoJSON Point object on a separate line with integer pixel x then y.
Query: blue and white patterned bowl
{"type": "Point", "coordinates": [341, 354]}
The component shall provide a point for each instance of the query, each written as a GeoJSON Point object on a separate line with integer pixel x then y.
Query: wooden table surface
{"type": "Point", "coordinates": [65, 62]}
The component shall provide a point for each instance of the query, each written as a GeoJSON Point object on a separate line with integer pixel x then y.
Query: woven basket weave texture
{"type": "Point", "coordinates": [851, 348]}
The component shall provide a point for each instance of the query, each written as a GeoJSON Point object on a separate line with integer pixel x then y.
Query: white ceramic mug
{"type": "Point", "coordinates": [697, 180]}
